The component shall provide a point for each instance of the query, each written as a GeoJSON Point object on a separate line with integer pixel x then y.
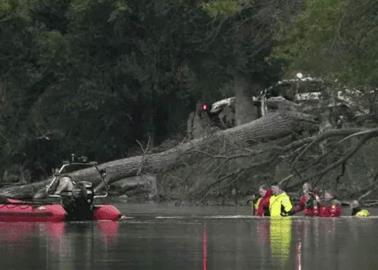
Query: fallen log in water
{"type": "Point", "coordinates": [270, 127]}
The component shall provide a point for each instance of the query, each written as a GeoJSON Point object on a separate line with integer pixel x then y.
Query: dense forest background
{"type": "Point", "coordinates": [96, 76]}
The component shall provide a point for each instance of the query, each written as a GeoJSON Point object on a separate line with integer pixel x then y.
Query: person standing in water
{"type": "Point", "coordinates": [308, 202]}
{"type": "Point", "coordinates": [279, 203]}
{"type": "Point", "coordinates": [357, 211]}
{"type": "Point", "coordinates": [262, 204]}
{"type": "Point", "coordinates": [330, 206]}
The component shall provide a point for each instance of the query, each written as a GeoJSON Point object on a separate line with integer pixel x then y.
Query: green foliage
{"type": "Point", "coordinates": [240, 40]}
{"type": "Point", "coordinates": [91, 77]}
{"type": "Point", "coordinates": [334, 39]}
{"type": "Point", "coordinates": [94, 76]}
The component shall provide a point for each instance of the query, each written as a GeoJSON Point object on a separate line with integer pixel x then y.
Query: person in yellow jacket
{"type": "Point", "coordinates": [279, 203]}
{"type": "Point", "coordinates": [357, 211]}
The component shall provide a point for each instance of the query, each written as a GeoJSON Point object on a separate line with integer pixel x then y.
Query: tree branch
{"type": "Point", "coordinates": [325, 135]}
{"type": "Point", "coordinates": [340, 161]}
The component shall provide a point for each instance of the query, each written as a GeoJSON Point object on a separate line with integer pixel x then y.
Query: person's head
{"type": "Point", "coordinates": [307, 187]}
{"type": "Point", "coordinates": [276, 188]}
{"type": "Point", "coordinates": [354, 204]}
{"type": "Point", "coordinates": [263, 190]}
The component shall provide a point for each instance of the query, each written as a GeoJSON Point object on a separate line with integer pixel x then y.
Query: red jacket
{"type": "Point", "coordinates": [330, 209]}
{"type": "Point", "coordinates": [262, 205]}
{"type": "Point", "coordinates": [309, 204]}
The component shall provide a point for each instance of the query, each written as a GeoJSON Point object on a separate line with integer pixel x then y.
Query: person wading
{"type": "Point", "coordinates": [330, 206]}
{"type": "Point", "coordinates": [262, 204]}
{"type": "Point", "coordinates": [279, 203]}
{"type": "Point", "coordinates": [357, 211]}
{"type": "Point", "coordinates": [308, 202]}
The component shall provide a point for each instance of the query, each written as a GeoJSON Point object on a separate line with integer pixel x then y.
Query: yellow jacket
{"type": "Point", "coordinates": [280, 205]}
{"type": "Point", "coordinates": [362, 213]}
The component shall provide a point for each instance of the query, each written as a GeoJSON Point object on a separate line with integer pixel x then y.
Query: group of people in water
{"type": "Point", "coordinates": [273, 201]}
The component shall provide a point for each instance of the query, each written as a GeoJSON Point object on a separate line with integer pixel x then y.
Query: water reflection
{"type": "Point", "coordinates": [282, 243]}
{"type": "Point", "coordinates": [280, 238]}
{"type": "Point", "coordinates": [316, 242]}
{"type": "Point", "coordinates": [83, 243]}
{"type": "Point", "coordinates": [262, 236]}
{"type": "Point", "coordinates": [298, 256]}
{"type": "Point", "coordinates": [108, 231]}
{"type": "Point", "coordinates": [61, 245]}
{"type": "Point", "coordinates": [204, 247]}
{"type": "Point", "coordinates": [14, 233]}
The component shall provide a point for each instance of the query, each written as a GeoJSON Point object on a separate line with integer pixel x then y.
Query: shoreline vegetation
{"type": "Point", "coordinates": [191, 102]}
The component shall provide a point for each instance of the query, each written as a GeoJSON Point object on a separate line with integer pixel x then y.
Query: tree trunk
{"type": "Point", "coordinates": [245, 111]}
{"type": "Point", "coordinates": [271, 127]}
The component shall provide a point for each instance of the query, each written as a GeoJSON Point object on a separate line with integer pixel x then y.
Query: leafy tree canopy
{"type": "Point", "coordinates": [333, 39]}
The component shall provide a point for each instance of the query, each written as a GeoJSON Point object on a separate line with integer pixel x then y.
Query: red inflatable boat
{"type": "Point", "coordinates": [76, 199]}
{"type": "Point", "coordinates": [15, 211]}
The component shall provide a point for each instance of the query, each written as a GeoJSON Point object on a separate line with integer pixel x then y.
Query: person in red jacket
{"type": "Point", "coordinates": [262, 204]}
{"type": "Point", "coordinates": [309, 201]}
{"type": "Point", "coordinates": [330, 206]}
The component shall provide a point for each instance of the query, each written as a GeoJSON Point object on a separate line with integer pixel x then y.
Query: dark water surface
{"type": "Point", "coordinates": [158, 237]}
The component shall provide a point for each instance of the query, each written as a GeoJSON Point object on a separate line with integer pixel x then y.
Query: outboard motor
{"type": "Point", "coordinates": [79, 205]}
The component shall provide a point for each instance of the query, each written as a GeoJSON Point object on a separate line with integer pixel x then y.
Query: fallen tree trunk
{"type": "Point", "coordinates": [263, 129]}
{"type": "Point", "coordinates": [23, 191]}
{"type": "Point", "coordinates": [270, 127]}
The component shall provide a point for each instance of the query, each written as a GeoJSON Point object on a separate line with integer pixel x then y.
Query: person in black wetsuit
{"type": "Point", "coordinates": [77, 196]}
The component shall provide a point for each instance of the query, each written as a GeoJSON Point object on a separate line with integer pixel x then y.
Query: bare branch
{"type": "Point", "coordinates": [375, 130]}
{"type": "Point", "coordinates": [209, 187]}
{"type": "Point", "coordinates": [225, 156]}
{"type": "Point", "coordinates": [325, 135]}
{"type": "Point", "coordinates": [286, 179]}
{"type": "Point", "coordinates": [371, 188]}
{"type": "Point", "coordinates": [340, 161]}
{"type": "Point", "coordinates": [145, 151]}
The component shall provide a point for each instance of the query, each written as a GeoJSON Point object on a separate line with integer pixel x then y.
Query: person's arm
{"type": "Point", "coordinates": [288, 208]}
{"type": "Point", "coordinates": [65, 184]}
{"type": "Point", "coordinates": [257, 207]}
{"type": "Point", "coordinates": [265, 206]}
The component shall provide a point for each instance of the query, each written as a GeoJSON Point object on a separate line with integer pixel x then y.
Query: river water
{"type": "Point", "coordinates": [160, 237]}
